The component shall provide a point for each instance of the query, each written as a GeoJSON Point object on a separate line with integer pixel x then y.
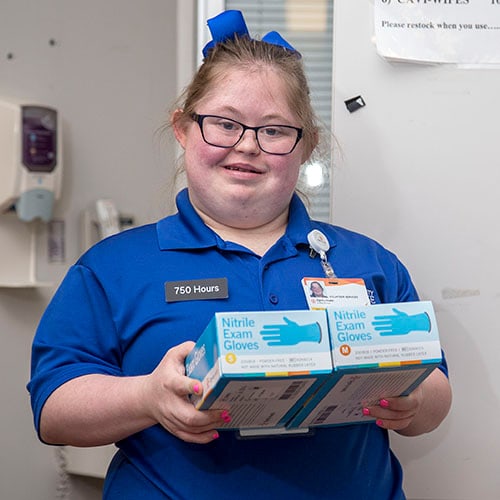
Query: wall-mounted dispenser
{"type": "Point", "coordinates": [30, 160]}
{"type": "Point", "coordinates": [30, 182]}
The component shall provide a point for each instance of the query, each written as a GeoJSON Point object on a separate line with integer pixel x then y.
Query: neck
{"type": "Point", "coordinates": [259, 239]}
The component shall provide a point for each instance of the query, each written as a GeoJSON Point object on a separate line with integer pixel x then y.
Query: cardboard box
{"type": "Point", "coordinates": [260, 366]}
{"type": "Point", "coordinates": [378, 351]}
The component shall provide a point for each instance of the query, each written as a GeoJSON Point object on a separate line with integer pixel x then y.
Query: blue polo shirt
{"type": "Point", "coordinates": [110, 316]}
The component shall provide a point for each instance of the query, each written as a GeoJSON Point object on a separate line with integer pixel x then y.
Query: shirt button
{"type": "Point", "coordinates": [273, 299]}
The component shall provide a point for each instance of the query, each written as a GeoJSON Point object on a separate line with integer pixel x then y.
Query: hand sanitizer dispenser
{"type": "Point", "coordinates": [30, 160]}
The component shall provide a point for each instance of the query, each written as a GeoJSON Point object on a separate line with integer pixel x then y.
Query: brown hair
{"type": "Point", "coordinates": [245, 52]}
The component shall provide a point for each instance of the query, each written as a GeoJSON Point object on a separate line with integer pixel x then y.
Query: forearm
{"type": "Point", "coordinates": [94, 410]}
{"type": "Point", "coordinates": [435, 405]}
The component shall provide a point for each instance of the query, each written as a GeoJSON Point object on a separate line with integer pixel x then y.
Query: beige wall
{"type": "Point", "coordinates": [112, 76]}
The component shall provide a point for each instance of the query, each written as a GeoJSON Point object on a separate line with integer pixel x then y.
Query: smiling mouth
{"type": "Point", "coordinates": [241, 169]}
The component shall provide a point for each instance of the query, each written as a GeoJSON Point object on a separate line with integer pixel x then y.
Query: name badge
{"type": "Point", "coordinates": [214, 288]}
{"type": "Point", "coordinates": [324, 292]}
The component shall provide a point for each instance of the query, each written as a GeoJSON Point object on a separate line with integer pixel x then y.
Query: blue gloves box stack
{"type": "Point", "coordinates": [281, 371]}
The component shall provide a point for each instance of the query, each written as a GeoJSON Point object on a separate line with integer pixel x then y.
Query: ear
{"type": "Point", "coordinates": [178, 121]}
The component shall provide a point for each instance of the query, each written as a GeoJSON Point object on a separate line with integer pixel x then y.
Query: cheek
{"type": "Point", "coordinates": [287, 171]}
{"type": "Point", "coordinates": [199, 157]}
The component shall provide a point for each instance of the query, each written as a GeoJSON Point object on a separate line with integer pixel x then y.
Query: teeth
{"type": "Point", "coordinates": [237, 169]}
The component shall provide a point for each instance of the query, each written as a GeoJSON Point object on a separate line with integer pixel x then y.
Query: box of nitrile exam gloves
{"type": "Point", "coordinates": [260, 366]}
{"type": "Point", "coordinates": [378, 351]}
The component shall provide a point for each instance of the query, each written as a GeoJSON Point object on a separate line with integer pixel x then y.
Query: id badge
{"type": "Point", "coordinates": [327, 292]}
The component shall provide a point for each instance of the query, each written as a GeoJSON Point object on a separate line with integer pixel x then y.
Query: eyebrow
{"type": "Point", "coordinates": [278, 119]}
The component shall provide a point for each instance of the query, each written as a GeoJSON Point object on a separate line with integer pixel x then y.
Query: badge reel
{"type": "Point", "coordinates": [331, 291]}
{"type": "Point", "coordinates": [319, 245]}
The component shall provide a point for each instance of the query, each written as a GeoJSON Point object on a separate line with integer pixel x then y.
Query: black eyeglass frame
{"type": "Point", "coordinates": [199, 120]}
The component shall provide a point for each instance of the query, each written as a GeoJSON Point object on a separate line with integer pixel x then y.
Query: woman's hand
{"type": "Point", "coordinates": [167, 391]}
{"type": "Point", "coordinates": [419, 412]}
{"type": "Point", "coordinates": [396, 413]}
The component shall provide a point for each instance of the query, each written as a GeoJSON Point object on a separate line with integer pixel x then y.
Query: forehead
{"type": "Point", "coordinates": [258, 89]}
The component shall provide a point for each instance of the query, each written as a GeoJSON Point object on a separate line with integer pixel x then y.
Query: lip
{"type": "Point", "coordinates": [243, 168]}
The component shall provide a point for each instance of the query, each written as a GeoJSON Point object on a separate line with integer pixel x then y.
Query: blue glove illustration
{"type": "Point", "coordinates": [401, 323]}
{"type": "Point", "coordinates": [290, 333]}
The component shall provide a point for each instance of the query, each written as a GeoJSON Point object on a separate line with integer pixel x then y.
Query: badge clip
{"type": "Point", "coordinates": [319, 246]}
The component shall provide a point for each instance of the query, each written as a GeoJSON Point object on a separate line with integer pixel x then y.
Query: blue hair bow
{"type": "Point", "coordinates": [230, 23]}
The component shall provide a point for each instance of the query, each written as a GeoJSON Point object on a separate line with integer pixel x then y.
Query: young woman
{"type": "Point", "coordinates": [108, 357]}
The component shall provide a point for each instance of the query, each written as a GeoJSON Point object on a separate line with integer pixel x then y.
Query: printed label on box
{"type": "Point", "coordinates": [384, 334]}
{"type": "Point", "coordinates": [255, 403]}
{"type": "Point", "coordinates": [345, 401]}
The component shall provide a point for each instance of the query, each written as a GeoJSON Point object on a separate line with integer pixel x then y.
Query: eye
{"type": "Point", "coordinates": [228, 125]}
{"type": "Point", "coordinates": [272, 132]}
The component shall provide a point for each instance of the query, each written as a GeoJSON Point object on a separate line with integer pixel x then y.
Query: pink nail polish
{"type": "Point", "coordinates": [379, 423]}
{"type": "Point", "coordinates": [215, 435]}
{"type": "Point", "coordinates": [225, 416]}
{"type": "Point", "coordinates": [196, 388]}
{"type": "Point", "coordinates": [384, 403]}
{"type": "Point", "coordinates": [366, 411]}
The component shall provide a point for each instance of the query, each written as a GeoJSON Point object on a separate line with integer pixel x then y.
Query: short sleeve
{"type": "Point", "coordinates": [76, 336]}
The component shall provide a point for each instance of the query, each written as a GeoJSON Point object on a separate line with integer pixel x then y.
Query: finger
{"type": "Point", "coordinates": [270, 329]}
{"type": "Point", "coordinates": [204, 420]}
{"type": "Point", "coordinates": [393, 425]}
{"type": "Point", "coordinates": [388, 415]}
{"type": "Point", "coordinates": [194, 425]}
{"type": "Point", "coordinates": [196, 387]}
{"type": "Point", "coordinates": [402, 403]}
{"type": "Point", "coordinates": [183, 386]}
{"type": "Point", "coordinates": [187, 420]}
{"type": "Point", "coordinates": [179, 353]}
{"type": "Point", "coordinates": [392, 409]}
{"type": "Point", "coordinates": [393, 421]}
{"type": "Point", "coordinates": [201, 438]}
{"type": "Point", "coordinates": [270, 337]}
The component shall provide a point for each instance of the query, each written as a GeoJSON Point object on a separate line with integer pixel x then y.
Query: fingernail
{"type": "Point", "coordinates": [225, 416]}
{"type": "Point", "coordinates": [379, 423]}
{"type": "Point", "coordinates": [366, 411]}
{"type": "Point", "coordinates": [384, 403]}
{"type": "Point", "coordinates": [215, 435]}
{"type": "Point", "coordinates": [196, 388]}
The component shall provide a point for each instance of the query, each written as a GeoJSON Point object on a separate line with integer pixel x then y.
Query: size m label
{"type": "Point", "coordinates": [213, 288]}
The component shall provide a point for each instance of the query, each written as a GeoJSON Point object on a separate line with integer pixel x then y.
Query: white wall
{"type": "Point", "coordinates": [419, 171]}
{"type": "Point", "coordinates": [112, 76]}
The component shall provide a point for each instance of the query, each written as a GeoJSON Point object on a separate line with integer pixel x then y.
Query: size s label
{"type": "Point", "coordinates": [213, 288]}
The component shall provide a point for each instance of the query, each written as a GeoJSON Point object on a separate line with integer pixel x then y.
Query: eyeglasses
{"type": "Point", "coordinates": [226, 133]}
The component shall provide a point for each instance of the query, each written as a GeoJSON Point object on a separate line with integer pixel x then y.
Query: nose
{"type": "Point", "coordinates": [248, 142]}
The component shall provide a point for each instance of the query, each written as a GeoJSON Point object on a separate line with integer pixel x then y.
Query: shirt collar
{"type": "Point", "coordinates": [186, 230]}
